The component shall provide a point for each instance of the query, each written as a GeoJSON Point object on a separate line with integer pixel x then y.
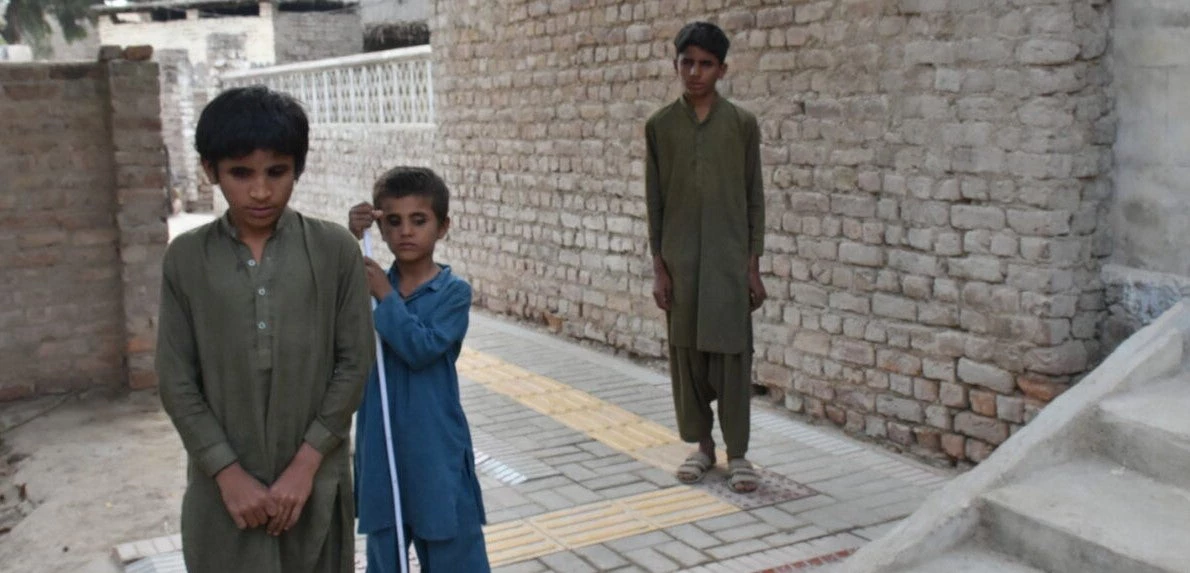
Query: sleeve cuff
{"type": "Point", "coordinates": [321, 438]}
{"type": "Point", "coordinates": [213, 459]}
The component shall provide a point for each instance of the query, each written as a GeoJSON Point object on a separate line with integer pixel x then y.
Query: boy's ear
{"type": "Point", "coordinates": [212, 171]}
{"type": "Point", "coordinates": [443, 228]}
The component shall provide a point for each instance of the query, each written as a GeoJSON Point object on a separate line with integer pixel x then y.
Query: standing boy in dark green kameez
{"type": "Point", "coordinates": [264, 346]}
{"type": "Point", "coordinates": [705, 202]}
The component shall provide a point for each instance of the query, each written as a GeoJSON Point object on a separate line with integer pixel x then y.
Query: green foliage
{"type": "Point", "coordinates": [27, 21]}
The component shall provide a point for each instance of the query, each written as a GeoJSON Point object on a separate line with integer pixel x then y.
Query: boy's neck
{"type": "Point", "coordinates": [416, 273]}
{"type": "Point", "coordinates": [703, 102]}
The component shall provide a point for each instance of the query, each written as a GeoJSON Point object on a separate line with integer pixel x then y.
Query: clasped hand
{"type": "Point", "coordinates": [278, 507]}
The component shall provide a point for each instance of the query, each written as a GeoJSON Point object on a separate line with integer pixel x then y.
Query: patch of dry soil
{"type": "Point", "coordinates": [96, 470]}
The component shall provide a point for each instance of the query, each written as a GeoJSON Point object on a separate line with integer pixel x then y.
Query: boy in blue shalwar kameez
{"type": "Point", "coordinates": [421, 317]}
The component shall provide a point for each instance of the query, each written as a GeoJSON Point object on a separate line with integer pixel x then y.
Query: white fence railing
{"type": "Point", "coordinates": [394, 87]}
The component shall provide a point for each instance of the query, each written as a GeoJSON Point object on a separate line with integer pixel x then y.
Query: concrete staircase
{"type": "Point", "coordinates": [1098, 483]}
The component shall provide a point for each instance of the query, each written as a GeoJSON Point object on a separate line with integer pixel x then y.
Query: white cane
{"type": "Point", "coordinates": [388, 434]}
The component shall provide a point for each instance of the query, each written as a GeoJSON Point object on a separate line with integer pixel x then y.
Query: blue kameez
{"type": "Point", "coordinates": [442, 504]}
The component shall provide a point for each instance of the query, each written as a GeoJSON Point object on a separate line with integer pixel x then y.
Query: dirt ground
{"type": "Point", "coordinates": [98, 468]}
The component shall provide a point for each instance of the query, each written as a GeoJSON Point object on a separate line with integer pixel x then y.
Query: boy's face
{"type": "Point", "coordinates": [257, 187]}
{"type": "Point", "coordinates": [410, 228]}
{"type": "Point", "coordinates": [699, 70]}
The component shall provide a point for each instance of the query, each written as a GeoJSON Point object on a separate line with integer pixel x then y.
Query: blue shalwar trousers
{"type": "Point", "coordinates": [464, 553]}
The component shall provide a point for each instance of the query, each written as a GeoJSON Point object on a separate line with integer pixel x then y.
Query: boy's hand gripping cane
{"type": "Point", "coordinates": [388, 435]}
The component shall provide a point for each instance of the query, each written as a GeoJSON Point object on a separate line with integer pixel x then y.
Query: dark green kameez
{"type": "Point", "coordinates": [254, 358]}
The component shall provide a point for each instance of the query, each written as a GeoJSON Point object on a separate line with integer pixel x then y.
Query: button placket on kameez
{"type": "Point", "coordinates": [260, 274]}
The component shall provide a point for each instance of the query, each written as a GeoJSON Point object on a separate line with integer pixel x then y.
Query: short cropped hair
{"type": "Point", "coordinates": [703, 35]}
{"type": "Point", "coordinates": [240, 121]}
{"type": "Point", "coordinates": [403, 181]}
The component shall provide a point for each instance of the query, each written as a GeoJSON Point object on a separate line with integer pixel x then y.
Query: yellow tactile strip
{"type": "Point", "coordinates": [626, 432]}
{"type": "Point", "coordinates": [616, 427]}
{"type": "Point", "coordinates": [599, 522]}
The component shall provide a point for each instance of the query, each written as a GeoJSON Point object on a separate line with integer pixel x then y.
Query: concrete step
{"type": "Point", "coordinates": [1148, 431]}
{"type": "Point", "coordinates": [1092, 517]}
{"type": "Point", "coordinates": [972, 560]}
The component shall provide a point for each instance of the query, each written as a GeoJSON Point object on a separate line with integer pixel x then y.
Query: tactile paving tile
{"type": "Point", "coordinates": [599, 522]}
{"type": "Point", "coordinates": [675, 506]}
{"type": "Point", "coordinates": [517, 541]}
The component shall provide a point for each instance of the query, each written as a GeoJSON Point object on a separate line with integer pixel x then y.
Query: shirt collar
{"type": "Point", "coordinates": [288, 216]}
{"type": "Point", "coordinates": [435, 284]}
{"type": "Point", "coordinates": [690, 109]}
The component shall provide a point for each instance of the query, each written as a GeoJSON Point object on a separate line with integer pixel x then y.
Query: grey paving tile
{"type": "Point", "coordinates": [683, 554]}
{"type": "Point", "coordinates": [731, 520]}
{"type": "Point", "coordinates": [638, 541]}
{"type": "Point", "coordinates": [807, 503]}
{"type": "Point", "coordinates": [551, 500]}
{"type": "Point", "coordinates": [738, 548]}
{"type": "Point", "coordinates": [627, 490]}
{"type": "Point", "coordinates": [609, 481]}
{"type": "Point", "coordinates": [568, 562]}
{"type": "Point", "coordinates": [693, 536]}
{"type": "Point", "coordinates": [750, 531]}
{"type": "Point", "coordinates": [876, 531]}
{"type": "Point", "coordinates": [650, 560]}
{"type": "Point", "coordinates": [534, 566]}
{"type": "Point", "coordinates": [804, 533]}
{"type": "Point", "coordinates": [601, 557]}
{"type": "Point", "coordinates": [777, 517]}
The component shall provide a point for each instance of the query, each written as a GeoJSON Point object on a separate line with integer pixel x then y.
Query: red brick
{"type": "Point", "coordinates": [955, 446]}
{"type": "Point", "coordinates": [32, 92]}
{"type": "Point", "coordinates": [142, 380]}
{"type": "Point", "coordinates": [1040, 388]}
{"type": "Point", "coordinates": [837, 415]}
{"type": "Point", "coordinates": [983, 403]}
{"type": "Point", "coordinates": [929, 439]}
{"type": "Point", "coordinates": [138, 53]}
{"type": "Point", "coordinates": [10, 392]}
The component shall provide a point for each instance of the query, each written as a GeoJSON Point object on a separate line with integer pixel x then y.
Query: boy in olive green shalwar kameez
{"type": "Point", "coordinates": [705, 203]}
{"type": "Point", "coordinates": [264, 346]}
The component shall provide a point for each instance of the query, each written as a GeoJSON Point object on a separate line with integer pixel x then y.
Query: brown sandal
{"type": "Point", "coordinates": [742, 478]}
{"type": "Point", "coordinates": [695, 467]}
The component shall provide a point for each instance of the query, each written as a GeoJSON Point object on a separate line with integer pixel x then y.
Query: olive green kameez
{"type": "Point", "coordinates": [254, 358]}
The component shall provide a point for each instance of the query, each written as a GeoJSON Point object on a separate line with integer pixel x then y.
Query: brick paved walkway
{"type": "Point", "coordinates": [576, 452]}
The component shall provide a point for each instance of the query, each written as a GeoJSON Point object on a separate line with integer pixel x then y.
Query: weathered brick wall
{"type": "Point", "coordinates": [139, 162]}
{"type": "Point", "coordinates": [178, 118]}
{"type": "Point", "coordinates": [303, 36]}
{"type": "Point", "coordinates": [81, 225]}
{"type": "Point", "coordinates": [935, 173]}
{"type": "Point", "coordinates": [344, 162]}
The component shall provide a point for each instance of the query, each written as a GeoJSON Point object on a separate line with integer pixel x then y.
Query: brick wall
{"type": "Point", "coordinates": [935, 174]}
{"type": "Point", "coordinates": [81, 225]}
{"type": "Point", "coordinates": [303, 36]}
{"type": "Point", "coordinates": [344, 162]}
{"type": "Point", "coordinates": [178, 118]}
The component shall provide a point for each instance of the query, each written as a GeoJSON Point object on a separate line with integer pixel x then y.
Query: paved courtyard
{"type": "Point", "coordinates": [576, 450]}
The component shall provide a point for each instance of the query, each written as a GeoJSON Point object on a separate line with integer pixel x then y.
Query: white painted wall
{"type": "Point", "coordinates": [1150, 214]}
{"type": "Point", "coordinates": [388, 11]}
{"type": "Point", "coordinates": [193, 35]}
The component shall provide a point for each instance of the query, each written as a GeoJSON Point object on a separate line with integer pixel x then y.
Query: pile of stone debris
{"type": "Point", "coordinates": [14, 500]}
